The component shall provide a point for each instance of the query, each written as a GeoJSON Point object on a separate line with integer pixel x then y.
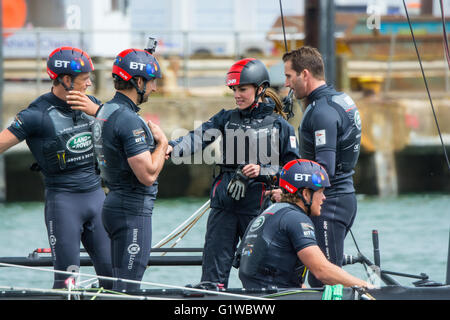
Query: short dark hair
{"type": "Point", "coordinates": [56, 81]}
{"type": "Point", "coordinates": [120, 84]}
{"type": "Point", "coordinates": [306, 58]}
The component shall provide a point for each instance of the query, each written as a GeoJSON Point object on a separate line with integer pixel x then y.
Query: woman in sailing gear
{"type": "Point", "coordinates": [61, 142]}
{"type": "Point", "coordinates": [256, 142]}
{"type": "Point", "coordinates": [130, 155]}
{"type": "Point", "coordinates": [280, 242]}
{"type": "Point", "coordinates": [330, 134]}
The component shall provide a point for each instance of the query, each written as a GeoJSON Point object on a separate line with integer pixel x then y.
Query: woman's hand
{"type": "Point", "coordinates": [251, 170]}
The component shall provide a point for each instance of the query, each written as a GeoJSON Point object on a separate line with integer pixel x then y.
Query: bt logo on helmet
{"type": "Point", "coordinates": [301, 177]}
{"type": "Point", "coordinates": [137, 65]}
{"type": "Point", "coordinates": [61, 63]}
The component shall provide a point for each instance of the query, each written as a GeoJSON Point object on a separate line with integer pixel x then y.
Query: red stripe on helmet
{"type": "Point", "coordinates": [288, 165]}
{"type": "Point", "coordinates": [127, 51]}
{"type": "Point", "coordinates": [234, 74]}
{"type": "Point", "coordinates": [51, 73]}
{"type": "Point", "coordinates": [286, 185]}
{"type": "Point", "coordinates": [121, 73]}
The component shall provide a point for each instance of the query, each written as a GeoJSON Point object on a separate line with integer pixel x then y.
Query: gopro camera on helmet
{"type": "Point", "coordinates": [151, 45]}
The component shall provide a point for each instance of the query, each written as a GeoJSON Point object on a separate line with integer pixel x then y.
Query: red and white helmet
{"type": "Point", "coordinates": [68, 60]}
{"type": "Point", "coordinates": [248, 71]}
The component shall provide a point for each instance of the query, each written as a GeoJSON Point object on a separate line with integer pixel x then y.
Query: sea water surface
{"type": "Point", "coordinates": [413, 235]}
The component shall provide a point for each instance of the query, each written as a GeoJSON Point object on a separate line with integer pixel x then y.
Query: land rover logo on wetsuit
{"type": "Point", "coordinates": [357, 120]}
{"type": "Point", "coordinates": [257, 224]}
{"type": "Point", "coordinates": [80, 143]}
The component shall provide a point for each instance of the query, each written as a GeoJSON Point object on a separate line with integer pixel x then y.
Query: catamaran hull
{"type": "Point", "coordinates": [383, 293]}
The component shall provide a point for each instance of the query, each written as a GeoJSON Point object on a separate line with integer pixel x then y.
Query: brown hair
{"type": "Point", "coordinates": [120, 84]}
{"type": "Point", "coordinates": [272, 94]}
{"type": "Point", "coordinates": [60, 77]}
{"type": "Point", "coordinates": [306, 58]}
{"type": "Point", "coordinates": [290, 197]}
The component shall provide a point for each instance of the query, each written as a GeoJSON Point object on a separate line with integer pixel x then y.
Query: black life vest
{"type": "Point", "coordinates": [71, 145]}
{"type": "Point", "coordinates": [108, 157]}
{"type": "Point", "coordinates": [248, 140]}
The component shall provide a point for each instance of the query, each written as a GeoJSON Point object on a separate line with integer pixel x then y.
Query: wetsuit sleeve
{"type": "Point", "coordinates": [94, 100]}
{"type": "Point", "coordinates": [325, 123]}
{"type": "Point", "coordinates": [201, 137]}
{"type": "Point", "coordinates": [131, 134]}
{"type": "Point", "coordinates": [27, 123]}
{"type": "Point", "coordinates": [299, 229]}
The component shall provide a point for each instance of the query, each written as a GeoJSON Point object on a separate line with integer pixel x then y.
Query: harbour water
{"type": "Point", "coordinates": [413, 232]}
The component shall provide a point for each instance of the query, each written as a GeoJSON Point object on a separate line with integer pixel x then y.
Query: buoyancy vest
{"type": "Point", "coordinates": [112, 168]}
{"type": "Point", "coordinates": [71, 146]}
{"type": "Point", "coordinates": [250, 140]}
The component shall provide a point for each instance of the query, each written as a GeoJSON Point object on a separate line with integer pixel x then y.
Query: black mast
{"type": "Point", "coordinates": [448, 261]}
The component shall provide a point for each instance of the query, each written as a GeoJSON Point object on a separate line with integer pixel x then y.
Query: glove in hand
{"type": "Point", "coordinates": [238, 186]}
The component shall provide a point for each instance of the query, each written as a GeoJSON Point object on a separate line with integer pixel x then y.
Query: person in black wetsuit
{"type": "Point", "coordinates": [256, 142]}
{"type": "Point", "coordinates": [280, 242]}
{"type": "Point", "coordinates": [130, 154]}
{"type": "Point", "coordinates": [61, 142]}
{"type": "Point", "coordinates": [330, 134]}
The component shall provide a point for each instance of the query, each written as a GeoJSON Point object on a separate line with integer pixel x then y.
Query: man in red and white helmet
{"type": "Point", "coordinates": [281, 242]}
{"type": "Point", "coordinates": [130, 154]}
{"type": "Point", "coordinates": [60, 139]}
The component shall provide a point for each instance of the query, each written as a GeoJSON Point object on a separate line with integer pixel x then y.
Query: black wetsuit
{"type": "Point", "coordinates": [228, 218]}
{"type": "Point", "coordinates": [120, 133]}
{"type": "Point", "coordinates": [268, 251]}
{"type": "Point", "coordinates": [61, 142]}
{"type": "Point", "coordinates": [330, 134]}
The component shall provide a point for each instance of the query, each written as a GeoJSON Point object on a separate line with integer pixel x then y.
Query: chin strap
{"type": "Point", "coordinates": [141, 92]}
{"type": "Point", "coordinates": [257, 96]}
{"type": "Point", "coordinates": [307, 205]}
{"type": "Point", "coordinates": [64, 85]}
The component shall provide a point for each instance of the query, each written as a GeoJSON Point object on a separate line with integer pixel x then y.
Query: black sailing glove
{"type": "Point", "coordinates": [238, 185]}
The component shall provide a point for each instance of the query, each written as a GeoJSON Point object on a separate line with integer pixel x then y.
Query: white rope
{"type": "Point", "coordinates": [84, 293]}
{"type": "Point", "coordinates": [182, 225]}
{"type": "Point", "coordinates": [136, 282]}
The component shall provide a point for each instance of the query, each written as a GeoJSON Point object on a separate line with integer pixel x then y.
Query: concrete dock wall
{"type": "Point", "coordinates": [400, 149]}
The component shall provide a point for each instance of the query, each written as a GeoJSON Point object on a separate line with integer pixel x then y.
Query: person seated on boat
{"type": "Point", "coordinates": [281, 240]}
{"type": "Point", "coordinates": [60, 140]}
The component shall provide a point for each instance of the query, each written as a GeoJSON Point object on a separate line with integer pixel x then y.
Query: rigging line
{"type": "Point", "coordinates": [282, 24]}
{"type": "Point", "coordinates": [134, 281]}
{"type": "Point", "coordinates": [204, 207]}
{"type": "Point", "coordinates": [186, 230]}
{"type": "Point", "coordinates": [188, 226]}
{"type": "Point", "coordinates": [359, 252]}
{"type": "Point", "coordinates": [447, 53]}
{"type": "Point", "coordinates": [84, 293]}
{"type": "Point", "coordinates": [426, 85]}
